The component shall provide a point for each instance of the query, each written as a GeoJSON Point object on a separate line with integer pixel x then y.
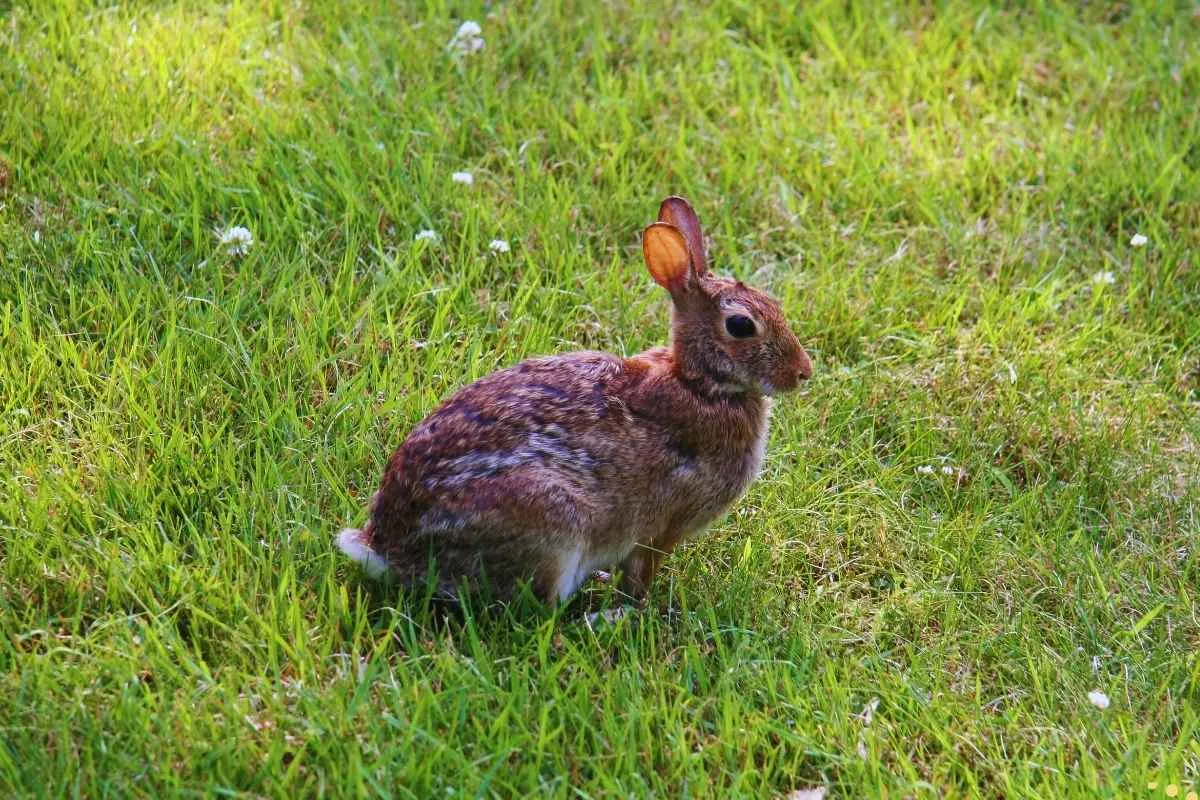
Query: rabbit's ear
{"type": "Point", "coordinates": [667, 256]}
{"type": "Point", "coordinates": [678, 212]}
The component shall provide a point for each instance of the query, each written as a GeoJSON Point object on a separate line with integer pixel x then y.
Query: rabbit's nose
{"type": "Point", "coordinates": [803, 365]}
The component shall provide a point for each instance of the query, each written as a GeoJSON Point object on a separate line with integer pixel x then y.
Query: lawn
{"type": "Point", "coordinates": [984, 224]}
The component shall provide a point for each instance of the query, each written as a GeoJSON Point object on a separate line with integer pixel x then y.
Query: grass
{"type": "Point", "coordinates": [935, 195]}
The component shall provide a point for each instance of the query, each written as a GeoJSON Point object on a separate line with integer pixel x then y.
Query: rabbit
{"type": "Point", "coordinates": [564, 465]}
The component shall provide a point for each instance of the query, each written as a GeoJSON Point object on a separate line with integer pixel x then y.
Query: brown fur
{"type": "Point", "coordinates": [561, 465]}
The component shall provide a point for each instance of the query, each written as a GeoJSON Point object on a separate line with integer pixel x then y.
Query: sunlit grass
{"type": "Point", "coordinates": [983, 507]}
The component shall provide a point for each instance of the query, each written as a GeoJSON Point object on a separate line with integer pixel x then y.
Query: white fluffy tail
{"type": "Point", "coordinates": [350, 541]}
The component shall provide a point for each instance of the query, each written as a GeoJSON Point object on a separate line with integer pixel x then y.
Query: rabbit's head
{"type": "Point", "coordinates": [726, 337]}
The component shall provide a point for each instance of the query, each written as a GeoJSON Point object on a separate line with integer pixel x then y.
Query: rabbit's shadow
{"type": "Point", "coordinates": [390, 604]}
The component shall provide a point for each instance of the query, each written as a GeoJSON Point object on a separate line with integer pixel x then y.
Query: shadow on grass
{"type": "Point", "coordinates": [424, 610]}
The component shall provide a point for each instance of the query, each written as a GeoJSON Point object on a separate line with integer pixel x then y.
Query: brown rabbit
{"type": "Point", "coordinates": [567, 464]}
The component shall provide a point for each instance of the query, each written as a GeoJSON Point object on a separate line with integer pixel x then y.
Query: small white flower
{"type": "Point", "coordinates": [948, 470]}
{"type": "Point", "coordinates": [426, 236]}
{"type": "Point", "coordinates": [1138, 240]}
{"type": "Point", "coordinates": [465, 178]}
{"type": "Point", "coordinates": [237, 240]}
{"type": "Point", "coordinates": [468, 38]}
{"type": "Point", "coordinates": [610, 616]}
{"type": "Point", "coordinates": [815, 793]}
{"type": "Point", "coordinates": [925, 469]}
{"type": "Point", "coordinates": [1104, 277]}
{"type": "Point", "coordinates": [1099, 699]}
{"type": "Point", "coordinates": [468, 28]}
{"type": "Point", "coordinates": [499, 246]}
{"type": "Point", "coordinates": [37, 236]}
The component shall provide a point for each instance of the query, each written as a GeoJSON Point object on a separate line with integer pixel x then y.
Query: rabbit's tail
{"type": "Point", "coordinates": [354, 543]}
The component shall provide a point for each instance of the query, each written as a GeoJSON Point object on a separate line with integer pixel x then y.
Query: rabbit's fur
{"type": "Point", "coordinates": [562, 465]}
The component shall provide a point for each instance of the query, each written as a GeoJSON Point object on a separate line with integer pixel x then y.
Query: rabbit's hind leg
{"type": "Point", "coordinates": [561, 573]}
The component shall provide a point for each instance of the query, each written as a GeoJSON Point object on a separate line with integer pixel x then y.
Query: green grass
{"type": "Point", "coordinates": [930, 193]}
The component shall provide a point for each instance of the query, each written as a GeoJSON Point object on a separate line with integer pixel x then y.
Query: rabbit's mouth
{"type": "Point", "coordinates": [789, 383]}
{"type": "Point", "coordinates": [789, 379]}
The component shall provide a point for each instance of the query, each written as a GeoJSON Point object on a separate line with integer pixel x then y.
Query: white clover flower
{"type": "Point", "coordinates": [237, 240]}
{"type": "Point", "coordinates": [925, 469]}
{"type": "Point", "coordinates": [815, 793]}
{"type": "Point", "coordinates": [465, 178]}
{"type": "Point", "coordinates": [426, 236]}
{"type": "Point", "coordinates": [1104, 277]}
{"type": "Point", "coordinates": [1138, 240]}
{"type": "Point", "coordinates": [1099, 699]}
{"type": "Point", "coordinates": [610, 616]}
{"type": "Point", "coordinates": [499, 246]}
{"type": "Point", "coordinates": [468, 38]}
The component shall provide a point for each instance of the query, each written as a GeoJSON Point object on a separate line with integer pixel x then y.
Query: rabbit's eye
{"type": "Point", "coordinates": [740, 327]}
